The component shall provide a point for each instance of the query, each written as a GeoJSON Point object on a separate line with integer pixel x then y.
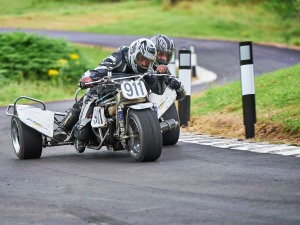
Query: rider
{"type": "Point", "coordinates": [138, 58]}
{"type": "Point", "coordinates": [165, 50]}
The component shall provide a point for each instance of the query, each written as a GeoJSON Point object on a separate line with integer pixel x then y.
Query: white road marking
{"type": "Point", "coordinates": [242, 145]}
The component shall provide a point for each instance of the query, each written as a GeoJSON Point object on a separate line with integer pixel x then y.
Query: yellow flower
{"type": "Point", "coordinates": [52, 72]}
{"type": "Point", "coordinates": [74, 56]}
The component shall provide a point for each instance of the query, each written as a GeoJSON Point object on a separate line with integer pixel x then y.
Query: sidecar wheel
{"type": "Point", "coordinates": [171, 137]}
{"type": "Point", "coordinates": [145, 139]}
{"type": "Point", "coordinates": [26, 141]}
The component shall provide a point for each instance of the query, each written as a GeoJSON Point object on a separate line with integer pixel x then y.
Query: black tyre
{"type": "Point", "coordinates": [171, 137]}
{"type": "Point", "coordinates": [145, 142]}
{"type": "Point", "coordinates": [27, 142]}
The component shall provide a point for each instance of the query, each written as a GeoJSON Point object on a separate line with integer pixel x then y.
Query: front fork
{"type": "Point", "coordinates": [120, 132]}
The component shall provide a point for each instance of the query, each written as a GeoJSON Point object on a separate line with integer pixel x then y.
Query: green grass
{"type": "Point", "coordinates": [205, 19]}
{"type": "Point", "coordinates": [94, 54]}
{"type": "Point", "coordinates": [24, 7]}
{"type": "Point", "coordinates": [277, 98]}
{"type": "Point", "coordinates": [42, 90]}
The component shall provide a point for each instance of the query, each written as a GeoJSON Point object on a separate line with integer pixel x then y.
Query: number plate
{"type": "Point", "coordinates": [98, 119]}
{"type": "Point", "coordinates": [133, 89]}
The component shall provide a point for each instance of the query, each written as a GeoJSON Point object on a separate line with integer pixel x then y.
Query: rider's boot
{"type": "Point", "coordinates": [82, 136]}
{"type": "Point", "coordinates": [66, 125]}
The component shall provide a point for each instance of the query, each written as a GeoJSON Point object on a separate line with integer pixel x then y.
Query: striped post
{"type": "Point", "coordinates": [184, 75]}
{"type": "Point", "coordinates": [248, 90]}
{"type": "Point", "coordinates": [193, 60]}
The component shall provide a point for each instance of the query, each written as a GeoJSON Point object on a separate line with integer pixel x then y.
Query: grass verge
{"type": "Point", "coordinates": [205, 19]}
{"type": "Point", "coordinates": [218, 111]}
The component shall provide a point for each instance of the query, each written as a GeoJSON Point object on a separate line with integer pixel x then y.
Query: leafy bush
{"type": "Point", "coordinates": [34, 57]}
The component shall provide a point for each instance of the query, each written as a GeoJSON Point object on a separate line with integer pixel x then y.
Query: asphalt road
{"type": "Point", "coordinates": [189, 184]}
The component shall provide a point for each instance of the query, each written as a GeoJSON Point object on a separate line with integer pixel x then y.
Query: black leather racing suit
{"type": "Point", "coordinates": [119, 63]}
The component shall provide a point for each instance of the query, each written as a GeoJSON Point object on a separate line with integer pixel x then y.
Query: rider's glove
{"type": "Point", "coordinates": [83, 82]}
{"type": "Point", "coordinates": [162, 69]}
{"type": "Point", "coordinates": [174, 83]}
{"type": "Point", "coordinates": [180, 93]}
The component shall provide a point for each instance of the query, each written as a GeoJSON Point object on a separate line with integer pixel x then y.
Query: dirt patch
{"type": "Point", "coordinates": [231, 126]}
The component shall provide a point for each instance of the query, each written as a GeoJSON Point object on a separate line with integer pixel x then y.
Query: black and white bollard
{"type": "Point", "coordinates": [184, 75]}
{"type": "Point", "coordinates": [193, 60]}
{"type": "Point", "coordinates": [248, 90]}
{"type": "Point", "coordinates": [172, 65]}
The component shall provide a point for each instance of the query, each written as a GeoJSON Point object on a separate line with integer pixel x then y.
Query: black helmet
{"type": "Point", "coordinates": [165, 49]}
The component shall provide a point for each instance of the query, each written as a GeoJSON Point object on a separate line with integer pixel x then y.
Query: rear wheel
{"type": "Point", "coordinates": [27, 142]}
{"type": "Point", "coordinates": [145, 139]}
{"type": "Point", "coordinates": [171, 137]}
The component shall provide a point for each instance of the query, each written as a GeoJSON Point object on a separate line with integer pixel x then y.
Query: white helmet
{"type": "Point", "coordinates": [141, 55]}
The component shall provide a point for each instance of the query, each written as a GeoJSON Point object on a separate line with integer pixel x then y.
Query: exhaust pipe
{"type": "Point", "coordinates": [168, 125]}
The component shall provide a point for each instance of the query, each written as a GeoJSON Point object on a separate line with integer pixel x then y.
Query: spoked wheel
{"type": "Point", "coordinates": [171, 137]}
{"type": "Point", "coordinates": [26, 141]}
{"type": "Point", "coordinates": [145, 139]}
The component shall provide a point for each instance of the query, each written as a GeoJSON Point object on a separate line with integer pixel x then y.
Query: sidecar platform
{"type": "Point", "coordinates": [39, 119]}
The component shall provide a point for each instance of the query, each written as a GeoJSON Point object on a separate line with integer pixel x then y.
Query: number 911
{"type": "Point", "coordinates": [133, 89]}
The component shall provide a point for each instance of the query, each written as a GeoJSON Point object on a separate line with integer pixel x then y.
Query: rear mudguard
{"type": "Point", "coordinates": [161, 103]}
{"type": "Point", "coordinates": [141, 106]}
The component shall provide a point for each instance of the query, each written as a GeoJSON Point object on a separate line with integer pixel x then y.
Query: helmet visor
{"type": "Point", "coordinates": [164, 57]}
{"type": "Point", "coordinates": [143, 62]}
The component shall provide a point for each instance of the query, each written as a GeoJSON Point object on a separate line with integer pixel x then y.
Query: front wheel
{"type": "Point", "coordinates": [27, 142]}
{"type": "Point", "coordinates": [145, 139]}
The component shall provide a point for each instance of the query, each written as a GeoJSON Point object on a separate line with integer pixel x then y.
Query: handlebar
{"type": "Point", "coordinates": [118, 77]}
{"type": "Point", "coordinates": [124, 76]}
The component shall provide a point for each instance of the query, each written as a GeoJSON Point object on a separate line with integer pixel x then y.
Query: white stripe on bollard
{"type": "Point", "coordinates": [185, 78]}
{"type": "Point", "coordinates": [247, 79]}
